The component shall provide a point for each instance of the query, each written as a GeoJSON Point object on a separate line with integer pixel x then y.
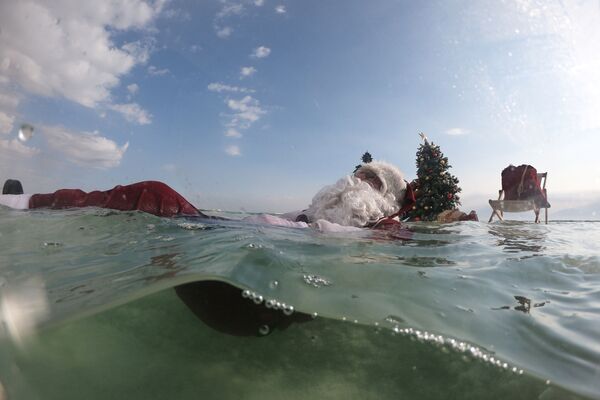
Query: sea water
{"type": "Point", "coordinates": [466, 310]}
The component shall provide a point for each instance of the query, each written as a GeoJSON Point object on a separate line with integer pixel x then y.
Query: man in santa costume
{"type": "Point", "coordinates": [371, 197]}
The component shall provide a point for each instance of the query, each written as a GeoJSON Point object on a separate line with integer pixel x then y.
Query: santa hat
{"type": "Point", "coordinates": [392, 180]}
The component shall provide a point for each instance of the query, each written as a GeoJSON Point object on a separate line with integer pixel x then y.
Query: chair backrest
{"type": "Point", "coordinates": [544, 176]}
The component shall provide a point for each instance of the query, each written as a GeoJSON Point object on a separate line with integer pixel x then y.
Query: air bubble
{"type": "Point", "coordinates": [264, 330]}
{"type": "Point", "coordinates": [257, 298]}
{"type": "Point", "coordinates": [273, 284]}
{"type": "Point", "coordinates": [316, 281]}
{"type": "Point", "coordinates": [25, 132]}
{"type": "Point", "coordinates": [315, 315]}
{"type": "Point", "coordinates": [270, 303]}
{"type": "Point", "coordinates": [446, 345]}
{"type": "Point", "coordinates": [288, 310]}
{"type": "Point", "coordinates": [246, 294]}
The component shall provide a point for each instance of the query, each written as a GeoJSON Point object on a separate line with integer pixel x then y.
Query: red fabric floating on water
{"type": "Point", "coordinates": [521, 183]}
{"type": "Point", "coordinates": [393, 229]}
{"type": "Point", "coordinates": [152, 197]}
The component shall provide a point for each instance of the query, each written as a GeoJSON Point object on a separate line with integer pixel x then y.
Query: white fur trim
{"type": "Point", "coordinates": [391, 178]}
{"type": "Point", "coordinates": [351, 202]}
{"type": "Point", "coordinates": [16, 201]}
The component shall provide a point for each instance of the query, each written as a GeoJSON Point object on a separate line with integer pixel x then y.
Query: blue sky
{"type": "Point", "coordinates": [255, 105]}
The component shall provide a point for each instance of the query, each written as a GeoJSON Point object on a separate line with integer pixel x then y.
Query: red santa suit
{"type": "Point", "coordinates": [152, 197]}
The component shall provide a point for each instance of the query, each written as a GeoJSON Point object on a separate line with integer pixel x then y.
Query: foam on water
{"type": "Point", "coordinates": [518, 296]}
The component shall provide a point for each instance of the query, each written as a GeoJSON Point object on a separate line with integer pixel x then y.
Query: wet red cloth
{"type": "Point", "coordinates": [409, 200]}
{"type": "Point", "coordinates": [521, 183]}
{"type": "Point", "coordinates": [149, 196]}
{"type": "Point", "coordinates": [393, 229]}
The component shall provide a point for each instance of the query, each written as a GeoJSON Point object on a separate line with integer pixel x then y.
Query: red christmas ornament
{"type": "Point", "coordinates": [449, 196]}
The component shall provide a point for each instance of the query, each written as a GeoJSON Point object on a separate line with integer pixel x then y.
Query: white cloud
{"type": "Point", "coordinates": [221, 87]}
{"type": "Point", "coordinates": [6, 123]}
{"type": "Point", "coordinates": [261, 52]}
{"type": "Point", "coordinates": [140, 50]}
{"type": "Point", "coordinates": [246, 111]}
{"type": "Point", "coordinates": [233, 150]}
{"type": "Point", "coordinates": [230, 9]}
{"type": "Point", "coordinates": [8, 106]}
{"type": "Point", "coordinates": [195, 48]}
{"type": "Point", "coordinates": [154, 71]}
{"type": "Point", "coordinates": [224, 32]}
{"type": "Point", "coordinates": [232, 132]}
{"type": "Point", "coordinates": [133, 88]}
{"type": "Point", "coordinates": [132, 112]}
{"type": "Point", "coordinates": [87, 149]}
{"type": "Point", "coordinates": [280, 9]}
{"type": "Point", "coordinates": [64, 48]}
{"type": "Point", "coordinates": [247, 71]}
{"type": "Point", "coordinates": [9, 101]}
{"type": "Point", "coordinates": [259, 3]}
{"type": "Point", "coordinates": [457, 131]}
{"type": "Point", "coordinates": [15, 146]}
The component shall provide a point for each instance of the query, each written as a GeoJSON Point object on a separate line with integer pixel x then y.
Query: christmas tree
{"type": "Point", "coordinates": [366, 158]}
{"type": "Point", "coordinates": [435, 188]}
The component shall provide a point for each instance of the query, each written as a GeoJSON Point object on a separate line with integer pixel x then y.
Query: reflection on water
{"type": "Point", "coordinates": [524, 305]}
{"type": "Point", "coordinates": [427, 261]}
{"type": "Point", "coordinates": [518, 237]}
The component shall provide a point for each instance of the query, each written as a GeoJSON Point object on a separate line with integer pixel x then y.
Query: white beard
{"type": "Point", "coordinates": [351, 202]}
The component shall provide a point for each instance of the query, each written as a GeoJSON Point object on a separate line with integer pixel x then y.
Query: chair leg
{"type": "Point", "coordinates": [497, 214]}
{"type": "Point", "coordinates": [537, 216]}
{"type": "Point", "coordinates": [546, 214]}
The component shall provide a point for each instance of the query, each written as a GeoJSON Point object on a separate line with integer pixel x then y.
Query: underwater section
{"type": "Point", "coordinates": [97, 302]}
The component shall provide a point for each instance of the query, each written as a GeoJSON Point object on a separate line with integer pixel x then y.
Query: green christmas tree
{"type": "Point", "coordinates": [435, 188]}
{"type": "Point", "coordinates": [366, 158]}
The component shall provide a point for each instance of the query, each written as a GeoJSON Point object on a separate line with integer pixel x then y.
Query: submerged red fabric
{"type": "Point", "coordinates": [152, 197]}
{"type": "Point", "coordinates": [521, 183]}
